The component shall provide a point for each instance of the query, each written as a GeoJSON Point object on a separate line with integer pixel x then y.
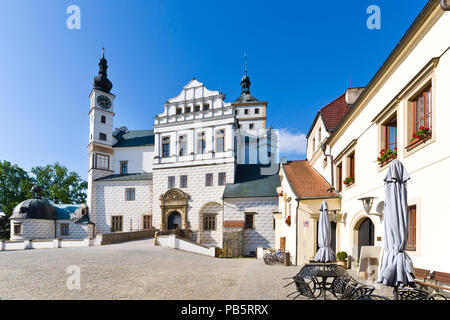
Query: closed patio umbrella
{"type": "Point", "coordinates": [325, 253]}
{"type": "Point", "coordinates": [396, 268]}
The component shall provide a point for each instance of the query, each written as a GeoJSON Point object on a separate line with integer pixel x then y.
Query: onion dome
{"type": "Point", "coordinates": [101, 81]}
{"type": "Point", "coordinates": [36, 208]}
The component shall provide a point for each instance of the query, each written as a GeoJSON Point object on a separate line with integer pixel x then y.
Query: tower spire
{"type": "Point", "coordinates": [245, 81]}
{"type": "Point", "coordinates": [245, 62]}
{"type": "Point", "coordinates": [101, 81]}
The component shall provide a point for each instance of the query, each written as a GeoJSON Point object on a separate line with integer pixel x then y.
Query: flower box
{"type": "Point", "coordinates": [288, 220]}
{"type": "Point", "coordinates": [418, 140]}
{"type": "Point", "coordinates": [349, 181]}
{"type": "Point", "coordinates": [386, 156]}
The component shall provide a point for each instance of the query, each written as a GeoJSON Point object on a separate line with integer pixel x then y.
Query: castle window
{"type": "Point", "coordinates": [256, 110]}
{"type": "Point", "coordinates": [196, 108]}
{"type": "Point", "coordinates": [147, 221]}
{"type": "Point", "coordinates": [102, 136]}
{"type": "Point", "coordinates": [64, 229]}
{"type": "Point", "coordinates": [201, 143]}
{"type": "Point", "coordinates": [123, 167]}
{"type": "Point", "coordinates": [246, 111]}
{"type": "Point", "coordinates": [17, 229]}
{"type": "Point", "coordinates": [205, 107]}
{"type": "Point", "coordinates": [187, 110]}
{"type": "Point", "coordinates": [222, 178]}
{"type": "Point", "coordinates": [179, 110]}
{"type": "Point", "coordinates": [102, 161]}
{"type": "Point", "coordinates": [249, 222]}
{"type": "Point", "coordinates": [165, 147]}
{"type": "Point", "coordinates": [411, 245]}
{"type": "Point", "coordinates": [103, 119]}
{"type": "Point", "coordinates": [171, 182]}
{"type": "Point", "coordinates": [251, 126]}
{"type": "Point", "coordinates": [209, 222]}
{"type": "Point", "coordinates": [130, 194]}
{"type": "Point", "coordinates": [208, 179]}
{"type": "Point", "coordinates": [422, 110]}
{"type": "Point", "coordinates": [183, 181]}
{"type": "Point", "coordinates": [339, 176]}
{"type": "Point", "coordinates": [236, 111]}
{"type": "Point", "coordinates": [116, 223]}
{"type": "Point", "coordinates": [182, 146]}
{"type": "Point", "coordinates": [220, 138]}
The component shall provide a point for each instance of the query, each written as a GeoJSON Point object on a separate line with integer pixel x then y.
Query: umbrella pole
{"type": "Point", "coordinates": [396, 293]}
{"type": "Point", "coordinates": [323, 282]}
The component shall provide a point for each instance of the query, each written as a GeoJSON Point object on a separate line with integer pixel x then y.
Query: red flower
{"type": "Point", "coordinates": [395, 148]}
{"type": "Point", "coordinates": [421, 128]}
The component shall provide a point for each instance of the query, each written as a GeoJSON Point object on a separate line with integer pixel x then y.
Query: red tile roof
{"type": "Point", "coordinates": [334, 112]}
{"type": "Point", "coordinates": [306, 181]}
{"type": "Point", "coordinates": [233, 224]}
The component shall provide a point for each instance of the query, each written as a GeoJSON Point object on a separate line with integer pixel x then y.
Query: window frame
{"type": "Point", "coordinates": [116, 221]}
{"type": "Point", "coordinates": [412, 228]}
{"type": "Point", "coordinates": [122, 163]}
{"type": "Point", "coordinates": [339, 176]}
{"type": "Point", "coordinates": [102, 136]}
{"type": "Point", "coordinates": [130, 194]}
{"type": "Point", "coordinates": [211, 176]}
{"type": "Point", "coordinates": [220, 140]}
{"type": "Point", "coordinates": [222, 178]}
{"type": "Point", "coordinates": [185, 184]}
{"type": "Point", "coordinates": [102, 119]}
{"type": "Point", "coordinates": [427, 106]}
{"type": "Point", "coordinates": [182, 145]}
{"type": "Point", "coordinates": [17, 225]}
{"type": "Point", "coordinates": [209, 222]}
{"type": "Point", "coordinates": [201, 143]}
{"type": "Point", "coordinates": [252, 215]}
{"type": "Point", "coordinates": [147, 222]}
{"type": "Point", "coordinates": [105, 158]}
{"type": "Point", "coordinates": [165, 146]}
{"type": "Point", "coordinates": [64, 229]}
{"type": "Point", "coordinates": [170, 182]}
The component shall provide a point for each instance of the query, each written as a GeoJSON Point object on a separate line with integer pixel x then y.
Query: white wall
{"type": "Point", "coordinates": [140, 159]}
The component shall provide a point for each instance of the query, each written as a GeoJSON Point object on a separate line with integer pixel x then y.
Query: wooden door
{"type": "Point", "coordinates": [283, 243]}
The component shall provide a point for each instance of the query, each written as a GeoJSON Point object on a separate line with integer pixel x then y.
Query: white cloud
{"type": "Point", "coordinates": [292, 141]}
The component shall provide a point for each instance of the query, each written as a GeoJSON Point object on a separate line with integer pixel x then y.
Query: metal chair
{"type": "Point", "coordinates": [361, 291]}
{"type": "Point", "coordinates": [308, 288]}
{"type": "Point", "coordinates": [338, 286]}
{"type": "Point", "coordinates": [412, 294]}
{"type": "Point", "coordinates": [370, 297]}
{"type": "Point", "coordinates": [437, 296]}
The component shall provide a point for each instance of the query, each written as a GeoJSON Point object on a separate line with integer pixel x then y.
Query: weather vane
{"type": "Point", "coordinates": [245, 62]}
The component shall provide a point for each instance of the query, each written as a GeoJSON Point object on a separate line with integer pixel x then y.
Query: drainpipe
{"type": "Point", "coordinates": [323, 146]}
{"type": "Point", "coordinates": [445, 6]}
{"type": "Point", "coordinates": [296, 231]}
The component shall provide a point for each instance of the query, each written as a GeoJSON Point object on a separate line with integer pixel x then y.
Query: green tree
{"type": "Point", "coordinates": [60, 185]}
{"type": "Point", "coordinates": [15, 186]}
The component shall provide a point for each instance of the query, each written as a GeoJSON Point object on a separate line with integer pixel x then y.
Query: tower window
{"type": "Point", "coordinates": [256, 110]}
{"type": "Point", "coordinates": [102, 136]}
{"type": "Point", "coordinates": [103, 119]}
{"type": "Point", "coordinates": [102, 161]}
{"type": "Point", "coordinates": [220, 147]}
{"type": "Point", "coordinates": [165, 147]}
{"type": "Point", "coordinates": [246, 111]}
{"type": "Point", "coordinates": [123, 167]}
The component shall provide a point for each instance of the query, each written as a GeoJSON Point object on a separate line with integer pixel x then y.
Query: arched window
{"type": "Point", "coordinates": [103, 119]}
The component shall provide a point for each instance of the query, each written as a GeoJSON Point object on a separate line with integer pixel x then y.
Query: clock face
{"type": "Point", "coordinates": [104, 102]}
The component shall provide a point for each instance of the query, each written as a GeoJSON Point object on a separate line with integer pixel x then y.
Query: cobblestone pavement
{"type": "Point", "coordinates": [138, 270]}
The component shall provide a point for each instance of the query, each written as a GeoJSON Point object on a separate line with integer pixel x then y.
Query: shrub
{"type": "Point", "coordinates": [342, 255]}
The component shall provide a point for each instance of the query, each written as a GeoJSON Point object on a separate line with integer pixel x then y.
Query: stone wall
{"type": "Point", "coordinates": [33, 229]}
{"type": "Point", "coordinates": [110, 201]}
{"type": "Point", "coordinates": [263, 233]}
{"type": "Point", "coordinates": [117, 237]}
{"type": "Point", "coordinates": [201, 197]}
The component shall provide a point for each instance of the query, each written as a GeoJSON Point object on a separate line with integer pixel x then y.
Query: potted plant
{"type": "Point", "coordinates": [288, 220]}
{"type": "Point", "coordinates": [341, 258]}
{"type": "Point", "coordinates": [422, 135]}
{"type": "Point", "coordinates": [386, 155]}
{"type": "Point", "coordinates": [349, 181]}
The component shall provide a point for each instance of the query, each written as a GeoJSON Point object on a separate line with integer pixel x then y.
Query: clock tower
{"type": "Point", "coordinates": [101, 116]}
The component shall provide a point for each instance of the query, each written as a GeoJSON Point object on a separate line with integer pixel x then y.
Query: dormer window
{"type": "Point", "coordinates": [123, 167]}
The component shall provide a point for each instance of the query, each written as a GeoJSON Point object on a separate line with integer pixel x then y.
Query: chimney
{"type": "Point", "coordinates": [352, 94]}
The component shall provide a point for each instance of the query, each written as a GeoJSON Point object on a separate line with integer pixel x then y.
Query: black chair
{"type": "Point", "coordinates": [361, 290]}
{"type": "Point", "coordinates": [338, 286]}
{"type": "Point", "coordinates": [306, 287]}
{"type": "Point", "coordinates": [412, 294]}
{"type": "Point", "coordinates": [437, 296]}
{"type": "Point", "coordinates": [370, 297]}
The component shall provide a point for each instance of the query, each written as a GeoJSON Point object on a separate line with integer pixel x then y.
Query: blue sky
{"type": "Point", "coordinates": [301, 55]}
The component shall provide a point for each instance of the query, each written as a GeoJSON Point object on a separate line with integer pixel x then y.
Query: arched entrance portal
{"type": "Point", "coordinates": [174, 221]}
{"type": "Point", "coordinates": [366, 234]}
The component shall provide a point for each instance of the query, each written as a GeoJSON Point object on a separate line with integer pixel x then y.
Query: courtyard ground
{"type": "Point", "coordinates": [138, 270]}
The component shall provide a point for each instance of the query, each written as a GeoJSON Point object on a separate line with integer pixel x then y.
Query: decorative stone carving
{"type": "Point", "coordinates": [174, 200]}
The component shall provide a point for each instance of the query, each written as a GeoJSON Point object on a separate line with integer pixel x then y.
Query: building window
{"type": "Point", "coordinates": [251, 126]}
{"type": "Point", "coordinates": [147, 221]}
{"type": "Point", "coordinates": [411, 245]}
{"type": "Point", "coordinates": [236, 111]}
{"type": "Point", "coordinates": [256, 110]}
{"type": "Point", "coordinates": [179, 110]}
{"type": "Point", "coordinates": [320, 135]}
{"type": "Point", "coordinates": [171, 182]}
{"type": "Point", "coordinates": [102, 161]}
{"type": "Point", "coordinates": [183, 182]}
{"type": "Point", "coordinates": [245, 111]}
{"type": "Point", "coordinates": [205, 107]}
{"type": "Point", "coordinates": [17, 229]}
{"type": "Point", "coordinates": [339, 176]}
{"type": "Point", "coordinates": [222, 178]}
{"type": "Point", "coordinates": [102, 136]}
{"type": "Point", "coordinates": [187, 109]}
{"type": "Point", "coordinates": [314, 144]}
{"type": "Point", "coordinates": [166, 147]}
{"type": "Point", "coordinates": [201, 143]}
{"type": "Point", "coordinates": [422, 110]}
{"type": "Point", "coordinates": [116, 223]}
{"type": "Point", "coordinates": [220, 138]}
{"type": "Point", "coordinates": [390, 134]}
{"type": "Point", "coordinates": [130, 194]}
{"type": "Point", "coordinates": [64, 229]}
{"type": "Point", "coordinates": [209, 222]}
{"type": "Point", "coordinates": [325, 162]}
{"type": "Point", "coordinates": [249, 221]}
{"type": "Point", "coordinates": [351, 166]}
{"type": "Point", "coordinates": [103, 119]}
{"type": "Point", "coordinates": [196, 108]}
{"type": "Point", "coordinates": [123, 167]}
{"type": "Point", "coordinates": [182, 145]}
{"type": "Point", "coordinates": [208, 179]}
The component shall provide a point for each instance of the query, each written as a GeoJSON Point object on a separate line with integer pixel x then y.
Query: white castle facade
{"type": "Point", "coordinates": [201, 169]}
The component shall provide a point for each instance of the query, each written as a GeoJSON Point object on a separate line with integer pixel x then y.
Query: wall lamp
{"type": "Point", "coordinates": [367, 204]}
